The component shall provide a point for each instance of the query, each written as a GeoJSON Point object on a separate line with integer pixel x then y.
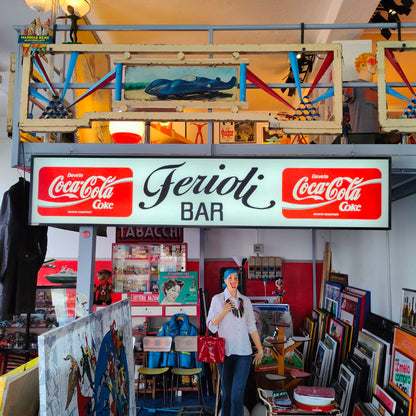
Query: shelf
{"type": "Point", "coordinates": [32, 330]}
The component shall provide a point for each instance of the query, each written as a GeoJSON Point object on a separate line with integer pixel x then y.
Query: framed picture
{"type": "Point", "coordinates": [337, 331]}
{"type": "Point", "coordinates": [332, 298]}
{"type": "Point", "coordinates": [403, 372]}
{"type": "Point", "coordinates": [408, 309]}
{"type": "Point", "coordinates": [403, 402]}
{"type": "Point", "coordinates": [346, 379]}
{"type": "Point", "coordinates": [178, 288]}
{"type": "Point", "coordinates": [321, 365]}
{"type": "Point", "coordinates": [386, 399]}
{"type": "Point", "coordinates": [350, 312]}
{"type": "Point", "coordinates": [332, 344]}
{"type": "Point", "coordinates": [237, 132]}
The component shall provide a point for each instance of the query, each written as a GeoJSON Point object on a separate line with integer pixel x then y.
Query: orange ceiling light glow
{"type": "Point", "coordinates": [126, 131]}
{"type": "Point", "coordinates": [81, 7]}
{"type": "Point", "coordinates": [40, 6]}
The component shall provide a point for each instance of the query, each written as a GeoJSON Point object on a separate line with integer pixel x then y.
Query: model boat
{"type": "Point", "coordinates": [66, 275]}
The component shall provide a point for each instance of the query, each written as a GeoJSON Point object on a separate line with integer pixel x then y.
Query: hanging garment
{"type": "Point", "coordinates": [22, 252]}
{"type": "Point", "coordinates": [178, 325]}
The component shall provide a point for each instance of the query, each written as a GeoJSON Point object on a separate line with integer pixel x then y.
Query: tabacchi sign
{"type": "Point", "coordinates": [236, 192]}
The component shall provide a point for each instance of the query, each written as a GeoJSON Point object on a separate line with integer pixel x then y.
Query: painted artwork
{"type": "Point", "coordinates": [238, 132]}
{"type": "Point", "coordinates": [180, 83]}
{"type": "Point", "coordinates": [275, 136]}
{"type": "Point", "coordinates": [178, 288]}
{"type": "Point", "coordinates": [86, 367]}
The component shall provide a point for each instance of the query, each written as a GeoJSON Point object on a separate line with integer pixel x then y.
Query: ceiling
{"type": "Point", "coordinates": [201, 12]}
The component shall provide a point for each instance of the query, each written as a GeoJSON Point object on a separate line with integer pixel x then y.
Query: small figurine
{"type": "Point", "coordinates": [104, 289]}
{"type": "Point", "coordinates": [74, 26]}
{"type": "Point", "coordinates": [280, 291]}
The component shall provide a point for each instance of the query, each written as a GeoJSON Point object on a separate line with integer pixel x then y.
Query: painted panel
{"type": "Point", "coordinates": [86, 367]}
{"type": "Point", "coordinates": [175, 82]}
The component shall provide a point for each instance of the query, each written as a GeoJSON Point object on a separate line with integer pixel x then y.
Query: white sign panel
{"type": "Point", "coordinates": [217, 192]}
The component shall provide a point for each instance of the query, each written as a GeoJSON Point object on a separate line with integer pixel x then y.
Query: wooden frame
{"type": "Point", "coordinates": [389, 124]}
{"type": "Point", "coordinates": [182, 51]}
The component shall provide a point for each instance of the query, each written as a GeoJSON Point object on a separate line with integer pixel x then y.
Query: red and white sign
{"type": "Point", "coordinates": [211, 192]}
{"type": "Point", "coordinates": [337, 193]}
{"type": "Point", "coordinates": [84, 191]}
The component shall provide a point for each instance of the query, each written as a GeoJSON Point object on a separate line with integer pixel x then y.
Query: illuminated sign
{"type": "Point", "coordinates": [217, 192]}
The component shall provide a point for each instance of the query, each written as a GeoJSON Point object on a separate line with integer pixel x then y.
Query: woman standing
{"type": "Point", "coordinates": [231, 314]}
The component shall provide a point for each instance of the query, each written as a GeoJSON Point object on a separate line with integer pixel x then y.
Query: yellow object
{"type": "Point", "coordinates": [81, 7]}
{"type": "Point", "coordinates": [165, 134]}
{"type": "Point", "coordinates": [15, 391]}
{"type": "Point", "coordinates": [91, 68]}
{"type": "Point", "coordinates": [40, 6]}
{"type": "Point", "coordinates": [30, 138]}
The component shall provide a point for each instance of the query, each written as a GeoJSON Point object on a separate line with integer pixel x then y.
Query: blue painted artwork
{"type": "Point", "coordinates": [180, 83]}
{"type": "Point", "coordinates": [86, 367]}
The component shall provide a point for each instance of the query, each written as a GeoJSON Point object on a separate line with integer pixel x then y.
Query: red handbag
{"type": "Point", "coordinates": [210, 349]}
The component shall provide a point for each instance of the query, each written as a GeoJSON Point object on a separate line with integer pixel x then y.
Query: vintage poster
{"type": "Point", "coordinates": [86, 367]}
{"type": "Point", "coordinates": [238, 132]}
{"type": "Point", "coordinates": [402, 375]}
{"type": "Point", "coordinates": [178, 288]}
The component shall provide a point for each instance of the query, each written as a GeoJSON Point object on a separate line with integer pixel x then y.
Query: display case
{"type": "Point", "coordinates": [136, 267]}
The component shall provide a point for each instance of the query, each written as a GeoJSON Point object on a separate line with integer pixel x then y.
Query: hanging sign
{"type": "Point", "coordinates": [215, 192]}
{"type": "Point", "coordinates": [149, 235]}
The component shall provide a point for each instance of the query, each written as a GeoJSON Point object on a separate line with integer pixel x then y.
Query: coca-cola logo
{"type": "Point", "coordinates": [85, 191]}
{"type": "Point", "coordinates": [323, 193]}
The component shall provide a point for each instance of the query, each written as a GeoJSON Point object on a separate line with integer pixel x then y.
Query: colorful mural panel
{"type": "Point", "coordinates": [86, 367]}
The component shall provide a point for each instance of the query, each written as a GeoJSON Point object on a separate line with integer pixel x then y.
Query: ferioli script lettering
{"type": "Point", "coordinates": [175, 181]}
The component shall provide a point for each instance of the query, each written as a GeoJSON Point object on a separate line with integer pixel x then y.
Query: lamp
{"type": "Point", "coordinates": [126, 131]}
{"type": "Point", "coordinates": [81, 7]}
{"type": "Point", "coordinates": [391, 10]}
{"type": "Point", "coordinates": [40, 6]}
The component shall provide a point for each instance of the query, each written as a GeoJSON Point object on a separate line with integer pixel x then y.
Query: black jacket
{"type": "Point", "coordinates": [22, 252]}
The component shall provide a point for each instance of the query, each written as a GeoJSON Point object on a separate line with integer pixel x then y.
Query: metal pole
{"type": "Point", "coordinates": [86, 270]}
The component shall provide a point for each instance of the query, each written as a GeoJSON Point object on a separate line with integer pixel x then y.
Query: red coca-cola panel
{"type": "Point", "coordinates": [83, 191]}
{"type": "Point", "coordinates": [339, 193]}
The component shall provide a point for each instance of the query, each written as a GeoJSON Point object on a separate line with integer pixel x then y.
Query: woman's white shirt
{"type": "Point", "coordinates": [235, 330]}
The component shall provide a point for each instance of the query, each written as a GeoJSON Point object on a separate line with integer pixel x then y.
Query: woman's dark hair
{"type": "Point", "coordinates": [169, 284]}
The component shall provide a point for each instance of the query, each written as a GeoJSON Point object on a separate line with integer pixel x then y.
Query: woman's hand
{"type": "Point", "coordinates": [227, 307]}
{"type": "Point", "coordinates": [258, 356]}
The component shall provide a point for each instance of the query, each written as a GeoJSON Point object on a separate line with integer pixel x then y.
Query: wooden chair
{"type": "Point", "coordinates": [156, 344]}
{"type": "Point", "coordinates": [186, 344]}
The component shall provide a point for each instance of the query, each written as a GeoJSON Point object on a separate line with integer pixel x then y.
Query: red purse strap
{"type": "Point", "coordinates": [206, 332]}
